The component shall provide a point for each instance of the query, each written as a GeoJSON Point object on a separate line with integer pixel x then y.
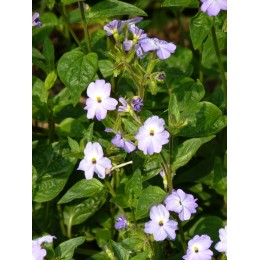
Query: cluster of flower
{"type": "Point", "coordinates": [161, 227]}
{"type": "Point", "coordinates": [140, 43]}
{"type": "Point", "coordinates": [38, 253]}
{"type": "Point", "coordinates": [151, 136]}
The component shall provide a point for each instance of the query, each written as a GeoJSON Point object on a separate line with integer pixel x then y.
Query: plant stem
{"type": "Point", "coordinates": [69, 227]}
{"type": "Point", "coordinates": [200, 66]}
{"type": "Point", "coordinates": [62, 225]}
{"type": "Point", "coordinates": [183, 242]}
{"type": "Point", "coordinates": [167, 173]}
{"type": "Point", "coordinates": [220, 64]}
{"type": "Point", "coordinates": [85, 26]}
{"type": "Point", "coordinates": [71, 31]}
{"type": "Point", "coordinates": [113, 193]}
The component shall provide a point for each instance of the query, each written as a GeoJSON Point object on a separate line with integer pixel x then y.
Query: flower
{"type": "Point", "coordinates": [121, 222]}
{"type": "Point", "coordinates": [181, 203]}
{"type": "Point", "coordinates": [35, 20]}
{"type": "Point", "coordinates": [38, 253]}
{"type": "Point", "coordinates": [94, 161]}
{"type": "Point", "coordinates": [125, 107]}
{"type": "Point", "coordinates": [213, 7]}
{"type": "Point", "coordinates": [198, 248]}
{"type": "Point", "coordinates": [137, 103]}
{"type": "Point", "coordinates": [160, 225]}
{"type": "Point", "coordinates": [112, 27]}
{"type": "Point", "coordinates": [131, 22]}
{"type": "Point", "coordinates": [221, 246]}
{"type": "Point", "coordinates": [164, 49]}
{"type": "Point", "coordinates": [99, 101]}
{"type": "Point", "coordinates": [121, 142]}
{"type": "Point", "coordinates": [151, 136]}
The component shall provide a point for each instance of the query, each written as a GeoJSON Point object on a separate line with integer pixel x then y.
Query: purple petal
{"type": "Point", "coordinates": [128, 45]}
{"type": "Point", "coordinates": [101, 112]}
{"type": "Point", "coordinates": [109, 103]}
{"type": "Point", "coordinates": [129, 146]}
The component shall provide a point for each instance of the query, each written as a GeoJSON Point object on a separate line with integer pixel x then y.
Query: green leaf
{"type": "Point", "coordinates": [187, 150]}
{"type": "Point", "coordinates": [203, 119]}
{"type": "Point", "coordinates": [88, 135]}
{"type": "Point", "coordinates": [82, 189]}
{"type": "Point", "coordinates": [54, 167]}
{"type": "Point", "coordinates": [74, 145]}
{"type": "Point", "coordinates": [50, 80]}
{"type": "Point", "coordinates": [66, 249]}
{"type": "Point", "coordinates": [188, 92]}
{"type": "Point", "coordinates": [68, 2]}
{"type": "Point", "coordinates": [120, 252]}
{"type": "Point", "coordinates": [77, 70]}
{"type": "Point", "coordinates": [200, 26]}
{"type": "Point", "coordinates": [71, 127]}
{"type": "Point", "coordinates": [50, 4]}
{"type": "Point", "coordinates": [111, 8]}
{"type": "Point", "coordinates": [37, 54]}
{"type": "Point", "coordinates": [150, 196]}
{"type": "Point", "coordinates": [174, 113]}
{"type": "Point", "coordinates": [181, 3]}
{"type": "Point", "coordinates": [209, 58]}
{"type": "Point", "coordinates": [48, 52]}
{"type": "Point", "coordinates": [140, 256]}
{"type": "Point", "coordinates": [120, 200]}
{"type": "Point", "coordinates": [106, 67]}
{"type": "Point", "coordinates": [80, 212]}
{"type": "Point", "coordinates": [209, 225]}
{"type": "Point", "coordinates": [133, 187]}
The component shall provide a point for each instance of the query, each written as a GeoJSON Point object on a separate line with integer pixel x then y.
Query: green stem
{"type": "Point", "coordinates": [183, 242]}
{"type": "Point", "coordinates": [71, 31]}
{"type": "Point", "coordinates": [200, 65]}
{"type": "Point", "coordinates": [220, 64]}
{"type": "Point", "coordinates": [167, 173]}
{"type": "Point", "coordinates": [85, 26]}
{"type": "Point", "coordinates": [62, 225]}
{"type": "Point", "coordinates": [113, 193]}
{"type": "Point", "coordinates": [69, 227]}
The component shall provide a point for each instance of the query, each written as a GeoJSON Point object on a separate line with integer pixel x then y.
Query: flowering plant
{"type": "Point", "coordinates": [129, 126]}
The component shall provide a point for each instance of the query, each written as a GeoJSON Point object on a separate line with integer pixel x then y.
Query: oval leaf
{"type": "Point", "coordinates": [182, 3]}
{"type": "Point", "coordinates": [66, 249]}
{"type": "Point", "coordinates": [203, 119]}
{"type": "Point", "coordinates": [200, 26]}
{"type": "Point", "coordinates": [150, 196]}
{"type": "Point", "coordinates": [82, 189]}
{"type": "Point", "coordinates": [53, 168]}
{"type": "Point", "coordinates": [77, 70]}
{"type": "Point", "coordinates": [187, 150]}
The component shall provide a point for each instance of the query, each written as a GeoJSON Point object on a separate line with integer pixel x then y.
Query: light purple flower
{"type": "Point", "coordinates": [181, 203]}
{"type": "Point", "coordinates": [121, 222]}
{"type": "Point", "coordinates": [221, 246]}
{"type": "Point", "coordinates": [38, 253]}
{"type": "Point", "coordinates": [125, 107]}
{"type": "Point", "coordinates": [121, 142]}
{"type": "Point", "coordinates": [152, 136]}
{"type": "Point", "coordinates": [35, 20]}
{"type": "Point", "coordinates": [137, 103]}
{"type": "Point", "coordinates": [213, 7]}
{"type": "Point", "coordinates": [164, 49]}
{"type": "Point", "coordinates": [99, 101]}
{"type": "Point", "coordinates": [160, 225]}
{"type": "Point", "coordinates": [138, 50]}
{"type": "Point", "coordinates": [131, 22]}
{"type": "Point", "coordinates": [198, 248]}
{"type": "Point", "coordinates": [94, 161]}
{"type": "Point", "coordinates": [112, 27]}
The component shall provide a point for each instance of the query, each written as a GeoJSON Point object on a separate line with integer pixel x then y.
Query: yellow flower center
{"type": "Point", "coordinates": [151, 132]}
{"type": "Point", "coordinates": [94, 161]}
{"type": "Point", "coordinates": [99, 100]}
{"type": "Point", "coordinates": [160, 223]}
{"type": "Point", "coordinates": [196, 249]}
